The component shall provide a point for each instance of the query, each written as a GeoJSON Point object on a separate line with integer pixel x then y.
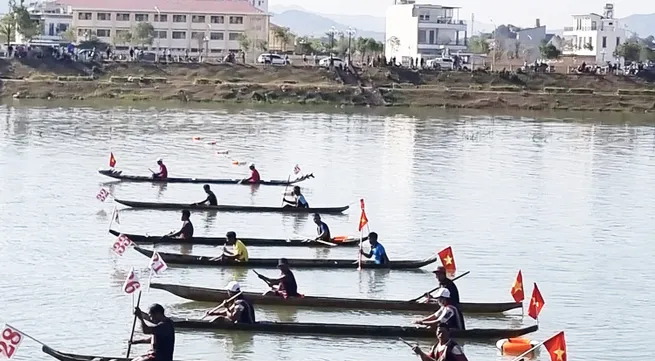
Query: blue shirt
{"type": "Point", "coordinates": [323, 228]}
{"type": "Point", "coordinates": [378, 253]}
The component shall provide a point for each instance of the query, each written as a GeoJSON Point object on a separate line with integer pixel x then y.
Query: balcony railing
{"type": "Point", "coordinates": [442, 21]}
{"type": "Point", "coordinates": [445, 43]}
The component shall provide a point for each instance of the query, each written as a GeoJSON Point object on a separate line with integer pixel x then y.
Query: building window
{"type": "Point", "coordinates": [161, 18]}
{"type": "Point", "coordinates": [425, 17]}
{"type": "Point", "coordinates": [51, 29]}
{"type": "Point", "coordinates": [122, 17]}
{"type": "Point", "coordinates": [233, 36]}
{"type": "Point", "coordinates": [179, 18]}
{"type": "Point", "coordinates": [618, 41]}
{"type": "Point", "coordinates": [431, 37]}
{"type": "Point", "coordinates": [236, 19]}
{"type": "Point", "coordinates": [198, 18]}
{"type": "Point", "coordinates": [103, 16]}
{"type": "Point", "coordinates": [84, 16]}
{"type": "Point", "coordinates": [216, 36]}
{"type": "Point", "coordinates": [197, 35]}
{"type": "Point", "coordinates": [120, 34]}
{"type": "Point", "coordinates": [421, 37]}
{"type": "Point", "coordinates": [589, 41]}
{"type": "Point", "coordinates": [593, 25]}
{"type": "Point", "coordinates": [604, 42]}
{"type": "Point", "coordinates": [140, 17]}
{"type": "Point", "coordinates": [160, 34]}
{"type": "Point", "coordinates": [61, 28]}
{"type": "Point", "coordinates": [215, 51]}
{"type": "Point", "coordinates": [103, 33]}
{"type": "Point", "coordinates": [217, 20]}
{"type": "Point", "coordinates": [260, 3]}
{"type": "Point", "coordinates": [179, 35]}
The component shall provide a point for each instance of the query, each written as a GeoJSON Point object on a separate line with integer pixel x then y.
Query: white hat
{"type": "Point", "coordinates": [233, 286]}
{"type": "Point", "coordinates": [159, 160]}
{"type": "Point", "coordinates": [251, 165]}
{"type": "Point", "coordinates": [442, 293]}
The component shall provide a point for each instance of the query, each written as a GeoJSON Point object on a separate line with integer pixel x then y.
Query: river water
{"type": "Point", "coordinates": [569, 202]}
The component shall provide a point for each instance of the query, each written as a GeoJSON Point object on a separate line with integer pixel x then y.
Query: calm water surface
{"type": "Point", "coordinates": [569, 203]}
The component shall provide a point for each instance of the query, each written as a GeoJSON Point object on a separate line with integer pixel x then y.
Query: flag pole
{"type": "Point", "coordinates": [129, 345]}
{"type": "Point", "coordinates": [519, 357]}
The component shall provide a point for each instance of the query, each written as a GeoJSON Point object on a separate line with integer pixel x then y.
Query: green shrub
{"type": "Point", "coordinates": [554, 89]}
{"type": "Point", "coordinates": [201, 81]}
{"type": "Point", "coordinates": [636, 92]}
{"type": "Point", "coordinates": [505, 88]}
{"type": "Point", "coordinates": [581, 91]}
{"type": "Point", "coordinates": [118, 79]}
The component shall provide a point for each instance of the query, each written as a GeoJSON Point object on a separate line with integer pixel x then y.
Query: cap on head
{"type": "Point", "coordinates": [231, 235]}
{"type": "Point", "coordinates": [442, 293]}
{"type": "Point", "coordinates": [159, 160]}
{"type": "Point", "coordinates": [282, 262]}
{"type": "Point", "coordinates": [296, 188]}
{"type": "Point", "coordinates": [440, 269]}
{"type": "Point", "coordinates": [233, 286]}
{"type": "Point", "coordinates": [156, 309]}
{"type": "Point", "coordinates": [251, 165]}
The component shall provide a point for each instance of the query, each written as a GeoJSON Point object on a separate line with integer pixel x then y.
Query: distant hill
{"type": "Point", "coordinates": [642, 24]}
{"type": "Point", "coordinates": [306, 23]}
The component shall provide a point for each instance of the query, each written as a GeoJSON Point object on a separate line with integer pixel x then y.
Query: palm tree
{"type": "Point", "coordinates": [284, 35]}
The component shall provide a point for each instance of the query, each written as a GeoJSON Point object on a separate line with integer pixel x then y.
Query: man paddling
{"type": "Point", "coordinates": [211, 199]}
{"type": "Point", "coordinates": [445, 282]}
{"type": "Point", "coordinates": [254, 175]}
{"type": "Point", "coordinates": [322, 229]}
{"type": "Point", "coordinates": [187, 228]}
{"type": "Point", "coordinates": [162, 331]}
{"type": "Point", "coordinates": [163, 171]}
{"type": "Point", "coordinates": [448, 314]}
{"type": "Point", "coordinates": [239, 310]}
{"type": "Point", "coordinates": [298, 200]}
{"type": "Point", "coordinates": [286, 282]}
{"type": "Point", "coordinates": [377, 251]}
{"type": "Point", "coordinates": [239, 251]}
{"type": "Point", "coordinates": [446, 349]}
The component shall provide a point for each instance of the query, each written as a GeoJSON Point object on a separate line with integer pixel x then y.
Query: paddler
{"type": "Point", "coordinates": [239, 310]}
{"type": "Point", "coordinates": [446, 349]}
{"type": "Point", "coordinates": [448, 314]}
{"type": "Point", "coordinates": [239, 251]}
{"type": "Point", "coordinates": [298, 200]}
{"type": "Point", "coordinates": [162, 330]}
{"type": "Point", "coordinates": [187, 228]}
{"type": "Point", "coordinates": [322, 229]}
{"type": "Point", "coordinates": [377, 251]}
{"type": "Point", "coordinates": [445, 282]}
{"type": "Point", "coordinates": [163, 171]}
{"type": "Point", "coordinates": [254, 175]}
{"type": "Point", "coordinates": [286, 282]}
{"type": "Point", "coordinates": [211, 199]}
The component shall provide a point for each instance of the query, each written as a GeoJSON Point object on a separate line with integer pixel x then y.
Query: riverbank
{"type": "Point", "coordinates": [310, 85]}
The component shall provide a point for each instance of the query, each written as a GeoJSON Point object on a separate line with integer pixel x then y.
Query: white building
{"type": "Point", "coordinates": [594, 35]}
{"type": "Point", "coordinates": [422, 31]}
{"type": "Point", "coordinates": [54, 18]}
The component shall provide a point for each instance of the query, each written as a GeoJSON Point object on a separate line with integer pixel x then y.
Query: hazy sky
{"type": "Point", "coordinates": [555, 14]}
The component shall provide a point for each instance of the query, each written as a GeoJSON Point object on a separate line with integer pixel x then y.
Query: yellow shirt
{"type": "Point", "coordinates": [241, 251]}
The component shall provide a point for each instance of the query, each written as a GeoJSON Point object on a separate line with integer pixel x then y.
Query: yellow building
{"type": "Point", "coordinates": [279, 44]}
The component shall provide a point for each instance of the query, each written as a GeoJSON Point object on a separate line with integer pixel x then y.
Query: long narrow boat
{"type": "Point", "coordinates": [62, 356]}
{"type": "Point", "coordinates": [219, 241]}
{"type": "Point", "coordinates": [231, 208]}
{"type": "Point", "coordinates": [116, 174]}
{"type": "Point", "coordinates": [491, 334]}
{"type": "Point", "coordinates": [176, 258]}
{"type": "Point", "coordinates": [217, 295]}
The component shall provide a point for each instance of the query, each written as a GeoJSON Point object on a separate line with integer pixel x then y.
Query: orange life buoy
{"type": "Point", "coordinates": [516, 346]}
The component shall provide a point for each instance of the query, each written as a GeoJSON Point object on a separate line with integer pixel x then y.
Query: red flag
{"type": "Point", "coordinates": [112, 160]}
{"type": "Point", "coordinates": [363, 221]}
{"type": "Point", "coordinates": [517, 288]}
{"type": "Point", "coordinates": [556, 347]}
{"type": "Point", "coordinates": [448, 259]}
{"type": "Point", "coordinates": [536, 303]}
{"type": "Point", "coordinates": [361, 203]}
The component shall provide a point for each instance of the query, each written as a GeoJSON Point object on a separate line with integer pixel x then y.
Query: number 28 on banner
{"type": "Point", "coordinates": [122, 243]}
{"type": "Point", "coordinates": [10, 340]}
{"type": "Point", "coordinates": [102, 195]}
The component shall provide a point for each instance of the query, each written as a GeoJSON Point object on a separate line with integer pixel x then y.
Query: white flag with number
{"type": "Point", "coordinates": [132, 283]}
{"type": "Point", "coordinates": [11, 340]}
{"type": "Point", "coordinates": [157, 264]}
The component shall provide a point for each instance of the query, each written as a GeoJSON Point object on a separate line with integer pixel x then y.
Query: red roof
{"type": "Point", "coordinates": [167, 6]}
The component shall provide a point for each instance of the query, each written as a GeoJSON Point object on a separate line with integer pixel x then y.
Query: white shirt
{"type": "Point", "coordinates": [444, 315]}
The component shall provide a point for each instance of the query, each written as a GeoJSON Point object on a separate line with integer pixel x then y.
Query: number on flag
{"type": "Point", "coordinates": [122, 243]}
{"type": "Point", "coordinates": [131, 283]}
{"type": "Point", "coordinates": [10, 340]}
{"type": "Point", "coordinates": [157, 264]}
{"type": "Point", "coordinates": [296, 169]}
{"type": "Point", "coordinates": [102, 195]}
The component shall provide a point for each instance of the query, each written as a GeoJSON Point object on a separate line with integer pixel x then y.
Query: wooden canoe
{"type": "Point", "coordinates": [219, 241]}
{"type": "Point", "coordinates": [490, 334]}
{"type": "Point", "coordinates": [116, 174]}
{"type": "Point", "coordinates": [231, 208]}
{"type": "Point", "coordinates": [62, 356]}
{"type": "Point", "coordinates": [176, 258]}
{"type": "Point", "coordinates": [217, 295]}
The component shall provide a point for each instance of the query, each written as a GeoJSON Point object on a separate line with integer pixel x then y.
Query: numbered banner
{"type": "Point", "coordinates": [102, 195]}
{"type": "Point", "coordinates": [296, 169]}
{"type": "Point", "coordinates": [132, 283]}
{"type": "Point", "coordinates": [10, 340]}
{"type": "Point", "coordinates": [122, 243]}
{"type": "Point", "coordinates": [157, 264]}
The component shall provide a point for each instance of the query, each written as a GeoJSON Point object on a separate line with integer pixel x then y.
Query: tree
{"type": "Point", "coordinates": [262, 45]}
{"type": "Point", "coordinates": [8, 29]}
{"type": "Point", "coordinates": [304, 45]}
{"type": "Point", "coordinates": [69, 35]}
{"type": "Point", "coordinates": [588, 46]}
{"type": "Point", "coordinates": [479, 44]}
{"type": "Point", "coordinates": [394, 44]}
{"type": "Point", "coordinates": [283, 35]}
{"type": "Point", "coordinates": [549, 51]}
{"type": "Point", "coordinates": [244, 42]}
{"type": "Point", "coordinates": [124, 37]}
{"type": "Point", "coordinates": [144, 34]}
{"type": "Point", "coordinates": [517, 48]}
{"type": "Point", "coordinates": [200, 39]}
{"type": "Point", "coordinates": [630, 51]}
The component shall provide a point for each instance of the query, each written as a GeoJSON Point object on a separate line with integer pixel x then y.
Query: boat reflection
{"type": "Point", "coordinates": [161, 188]}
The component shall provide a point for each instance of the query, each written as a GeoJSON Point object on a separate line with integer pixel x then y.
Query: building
{"type": "Point", "coordinates": [211, 27]}
{"type": "Point", "coordinates": [54, 18]}
{"type": "Point", "coordinates": [276, 43]}
{"type": "Point", "coordinates": [522, 43]}
{"type": "Point", "coordinates": [422, 31]}
{"type": "Point", "coordinates": [594, 36]}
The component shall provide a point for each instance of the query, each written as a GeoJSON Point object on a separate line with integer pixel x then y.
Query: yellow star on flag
{"type": "Point", "coordinates": [559, 352]}
{"type": "Point", "coordinates": [517, 286]}
{"type": "Point", "coordinates": [449, 260]}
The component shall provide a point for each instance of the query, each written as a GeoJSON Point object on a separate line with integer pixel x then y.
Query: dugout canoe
{"type": "Point", "coordinates": [182, 259]}
{"type": "Point", "coordinates": [63, 356]}
{"type": "Point", "coordinates": [219, 241]}
{"type": "Point", "coordinates": [117, 174]}
{"type": "Point", "coordinates": [231, 208]}
{"type": "Point", "coordinates": [202, 294]}
{"type": "Point", "coordinates": [490, 334]}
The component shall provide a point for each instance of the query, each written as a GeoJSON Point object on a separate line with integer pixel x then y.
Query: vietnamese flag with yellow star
{"type": "Point", "coordinates": [536, 303]}
{"type": "Point", "coordinates": [112, 160]}
{"type": "Point", "coordinates": [556, 347]}
{"type": "Point", "coordinates": [517, 288]}
{"type": "Point", "coordinates": [448, 260]}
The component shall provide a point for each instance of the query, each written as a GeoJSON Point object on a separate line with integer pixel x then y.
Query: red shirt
{"type": "Point", "coordinates": [163, 172]}
{"type": "Point", "coordinates": [254, 176]}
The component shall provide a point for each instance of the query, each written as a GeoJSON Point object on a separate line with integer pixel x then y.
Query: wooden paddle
{"type": "Point", "coordinates": [436, 288]}
{"type": "Point", "coordinates": [263, 278]}
{"type": "Point", "coordinates": [223, 304]}
{"type": "Point", "coordinates": [321, 241]}
{"type": "Point", "coordinates": [407, 343]}
{"type": "Point", "coordinates": [129, 345]}
{"type": "Point", "coordinates": [286, 187]}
